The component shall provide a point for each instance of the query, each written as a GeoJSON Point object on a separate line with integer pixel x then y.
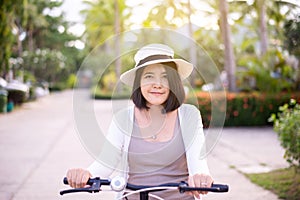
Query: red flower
{"type": "Point", "coordinates": [235, 113]}
{"type": "Point", "coordinates": [271, 106]}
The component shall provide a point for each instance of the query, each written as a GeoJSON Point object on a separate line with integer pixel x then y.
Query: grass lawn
{"type": "Point", "coordinates": [283, 182]}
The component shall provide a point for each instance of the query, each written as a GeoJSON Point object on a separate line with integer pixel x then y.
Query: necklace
{"type": "Point", "coordinates": [153, 122]}
{"type": "Point", "coordinates": [154, 137]}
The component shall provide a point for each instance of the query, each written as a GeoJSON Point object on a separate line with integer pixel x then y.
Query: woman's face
{"type": "Point", "coordinates": [154, 84]}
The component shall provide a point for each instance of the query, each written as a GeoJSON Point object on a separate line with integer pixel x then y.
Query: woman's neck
{"type": "Point", "coordinates": [156, 110]}
{"type": "Point", "coordinates": [154, 123]}
{"type": "Point", "coordinates": [154, 115]}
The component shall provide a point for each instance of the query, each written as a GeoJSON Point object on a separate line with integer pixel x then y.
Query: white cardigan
{"type": "Point", "coordinates": [114, 154]}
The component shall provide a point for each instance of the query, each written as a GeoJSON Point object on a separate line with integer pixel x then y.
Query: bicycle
{"type": "Point", "coordinates": [118, 184]}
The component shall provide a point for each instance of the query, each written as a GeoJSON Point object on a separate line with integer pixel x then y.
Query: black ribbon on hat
{"type": "Point", "coordinates": [154, 57]}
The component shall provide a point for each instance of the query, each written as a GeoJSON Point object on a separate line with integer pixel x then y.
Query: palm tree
{"type": "Point", "coordinates": [228, 51]}
{"type": "Point", "coordinates": [36, 21]}
{"type": "Point", "coordinates": [192, 50]}
{"type": "Point", "coordinates": [8, 13]}
{"type": "Point", "coordinates": [183, 10]}
{"type": "Point", "coordinates": [99, 22]}
{"type": "Point", "coordinates": [264, 10]}
{"type": "Point", "coordinates": [103, 20]}
{"type": "Point", "coordinates": [170, 14]}
{"type": "Point", "coordinates": [221, 8]}
{"type": "Point", "coordinates": [167, 14]}
{"type": "Point", "coordinates": [117, 28]}
{"type": "Point", "coordinates": [262, 14]}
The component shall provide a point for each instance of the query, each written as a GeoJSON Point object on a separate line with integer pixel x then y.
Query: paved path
{"type": "Point", "coordinates": [39, 142]}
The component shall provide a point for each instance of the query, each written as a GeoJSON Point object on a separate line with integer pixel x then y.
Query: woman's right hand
{"type": "Point", "coordinates": [78, 178]}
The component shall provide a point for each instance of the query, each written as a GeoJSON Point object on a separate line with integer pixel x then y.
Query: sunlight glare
{"type": "Point", "coordinates": [250, 2]}
{"type": "Point", "coordinates": [77, 29]}
{"type": "Point", "coordinates": [61, 29]}
{"type": "Point", "coordinates": [170, 14]}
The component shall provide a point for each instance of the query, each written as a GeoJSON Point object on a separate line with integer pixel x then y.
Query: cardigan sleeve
{"type": "Point", "coordinates": [194, 139]}
{"type": "Point", "coordinates": [112, 153]}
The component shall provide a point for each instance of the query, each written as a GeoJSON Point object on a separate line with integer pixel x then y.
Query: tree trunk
{"type": "Point", "coordinates": [228, 51]}
{"type": "Point", "coordinates": [20, 50]}
{"type": "Point", "coordinates": [192, 50]}
{"type": "Point", "coordinates": [263, 27]}
{"type": "Point", "coordinates": [30, 40]}
{"type": "Point", "coordinates": [117, 42]}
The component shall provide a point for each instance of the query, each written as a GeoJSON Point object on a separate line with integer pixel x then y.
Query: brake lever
{"type": "Point", "coordinates": [95, 187]}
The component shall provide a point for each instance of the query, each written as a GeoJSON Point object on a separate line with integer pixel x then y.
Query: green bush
{"type": "Point", "coordinates": [98, 93]}
{"type": "Point", "coordinates": [3, 101]}
{"type": "Point", "coordinates": [68, 83]}
{"type": "Point", "coordinates": [71, 81]}
{"type": "Point", "coordinates": [242, 109]}
{"type": "Point", "coordinates": [287, 125]}
{"type": "Point", "coordinates": [58, 86]}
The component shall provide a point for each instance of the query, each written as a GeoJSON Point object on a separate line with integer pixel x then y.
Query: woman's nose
{"type": "Point", "coordinates": [157, 82]}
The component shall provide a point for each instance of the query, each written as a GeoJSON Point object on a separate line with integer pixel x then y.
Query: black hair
{"type": "Point", "coordinates": [176, 96]}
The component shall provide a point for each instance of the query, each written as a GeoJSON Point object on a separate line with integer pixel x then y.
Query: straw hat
{"type": "Point", "coordinates": [152, 54]}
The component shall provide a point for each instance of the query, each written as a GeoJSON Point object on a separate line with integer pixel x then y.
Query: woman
{"type": "Point", "coordinates": [163, 139]}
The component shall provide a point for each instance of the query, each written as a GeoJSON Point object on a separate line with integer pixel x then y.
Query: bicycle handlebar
{"type": "Point", "coordinates": [95, 186]}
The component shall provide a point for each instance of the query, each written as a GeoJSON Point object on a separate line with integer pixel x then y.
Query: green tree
{"type": "Point", "coordinates": [8, 10]}
{"type": "Point", "coordinates": [268, 16]}
{"type": "Point", "coordinates": [292, 36]}
{"type": "Point", "coordinates": [47, 33]}
{"type": "Point", "coordinates": [171, 15]}
{"type": "Point", "coordinates": [36, 22]}
{"type": "Point", "coordinates": [292, 41]}
{"type": "Point", "coordinates": [288, 129]}
{"type": "Point", "coordinates": [103, 20]}
{"type": "Point", "coordinates": [229, 58]}
{"type": "Point", "coordinates": [221, 10]}
{"type": "Point", "coordinates": [46, 65]}
{"type": "Point", "coordinates": [168, 14]}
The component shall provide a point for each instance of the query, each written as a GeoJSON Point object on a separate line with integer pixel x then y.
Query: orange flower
{"type": "Point", "coordinates": [271, 106]}
{"type": "Point", "coordinates": [235, 113]}
{"type": "Point", "coordinates": [261, 109]}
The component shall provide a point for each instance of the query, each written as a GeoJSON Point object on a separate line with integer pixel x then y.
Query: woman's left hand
{"type": "Point", "coordinates": [200, 180]}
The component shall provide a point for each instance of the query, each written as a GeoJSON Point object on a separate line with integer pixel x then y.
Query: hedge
{"type": "Point", "coordinates": [240, 109]}
{"type": "Point", "coordinates": [3, 101]}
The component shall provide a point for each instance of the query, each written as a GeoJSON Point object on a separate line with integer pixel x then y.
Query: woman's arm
{"type": "Point", "coordinates": [111, 152]}
{"type": "Point", "coordinates": [194, 139]}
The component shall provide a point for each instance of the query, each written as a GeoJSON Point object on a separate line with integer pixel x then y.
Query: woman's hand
{"type": "Point", "coordinates": [200, 180]}
{"type": "Point", "coordinates": [78, 178]}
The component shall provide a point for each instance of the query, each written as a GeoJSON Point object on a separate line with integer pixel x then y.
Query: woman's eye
{"type": "Point", "coordinates": [148, 76]}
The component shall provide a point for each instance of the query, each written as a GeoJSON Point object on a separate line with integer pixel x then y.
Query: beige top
{"type": "Point", "coordinates": [154, 163]}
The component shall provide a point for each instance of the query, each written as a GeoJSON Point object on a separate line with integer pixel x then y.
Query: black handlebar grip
{"type": "Point", "coordinates": [65, 180]}
{"type": "Point", "coordinates": [221, 187]}
{"type": "Point", "coordinates": [91, 181]}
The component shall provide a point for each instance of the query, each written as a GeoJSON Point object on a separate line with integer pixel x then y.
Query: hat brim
{"type": "Point", "coordinates": [184, 69]}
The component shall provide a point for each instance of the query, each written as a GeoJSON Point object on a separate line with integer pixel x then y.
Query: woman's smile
{"type": "Point", "coordinates": [157, 93]}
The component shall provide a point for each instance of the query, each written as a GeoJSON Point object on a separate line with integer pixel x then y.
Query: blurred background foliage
{"type": "Point", "coordinates": [254, 43]}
